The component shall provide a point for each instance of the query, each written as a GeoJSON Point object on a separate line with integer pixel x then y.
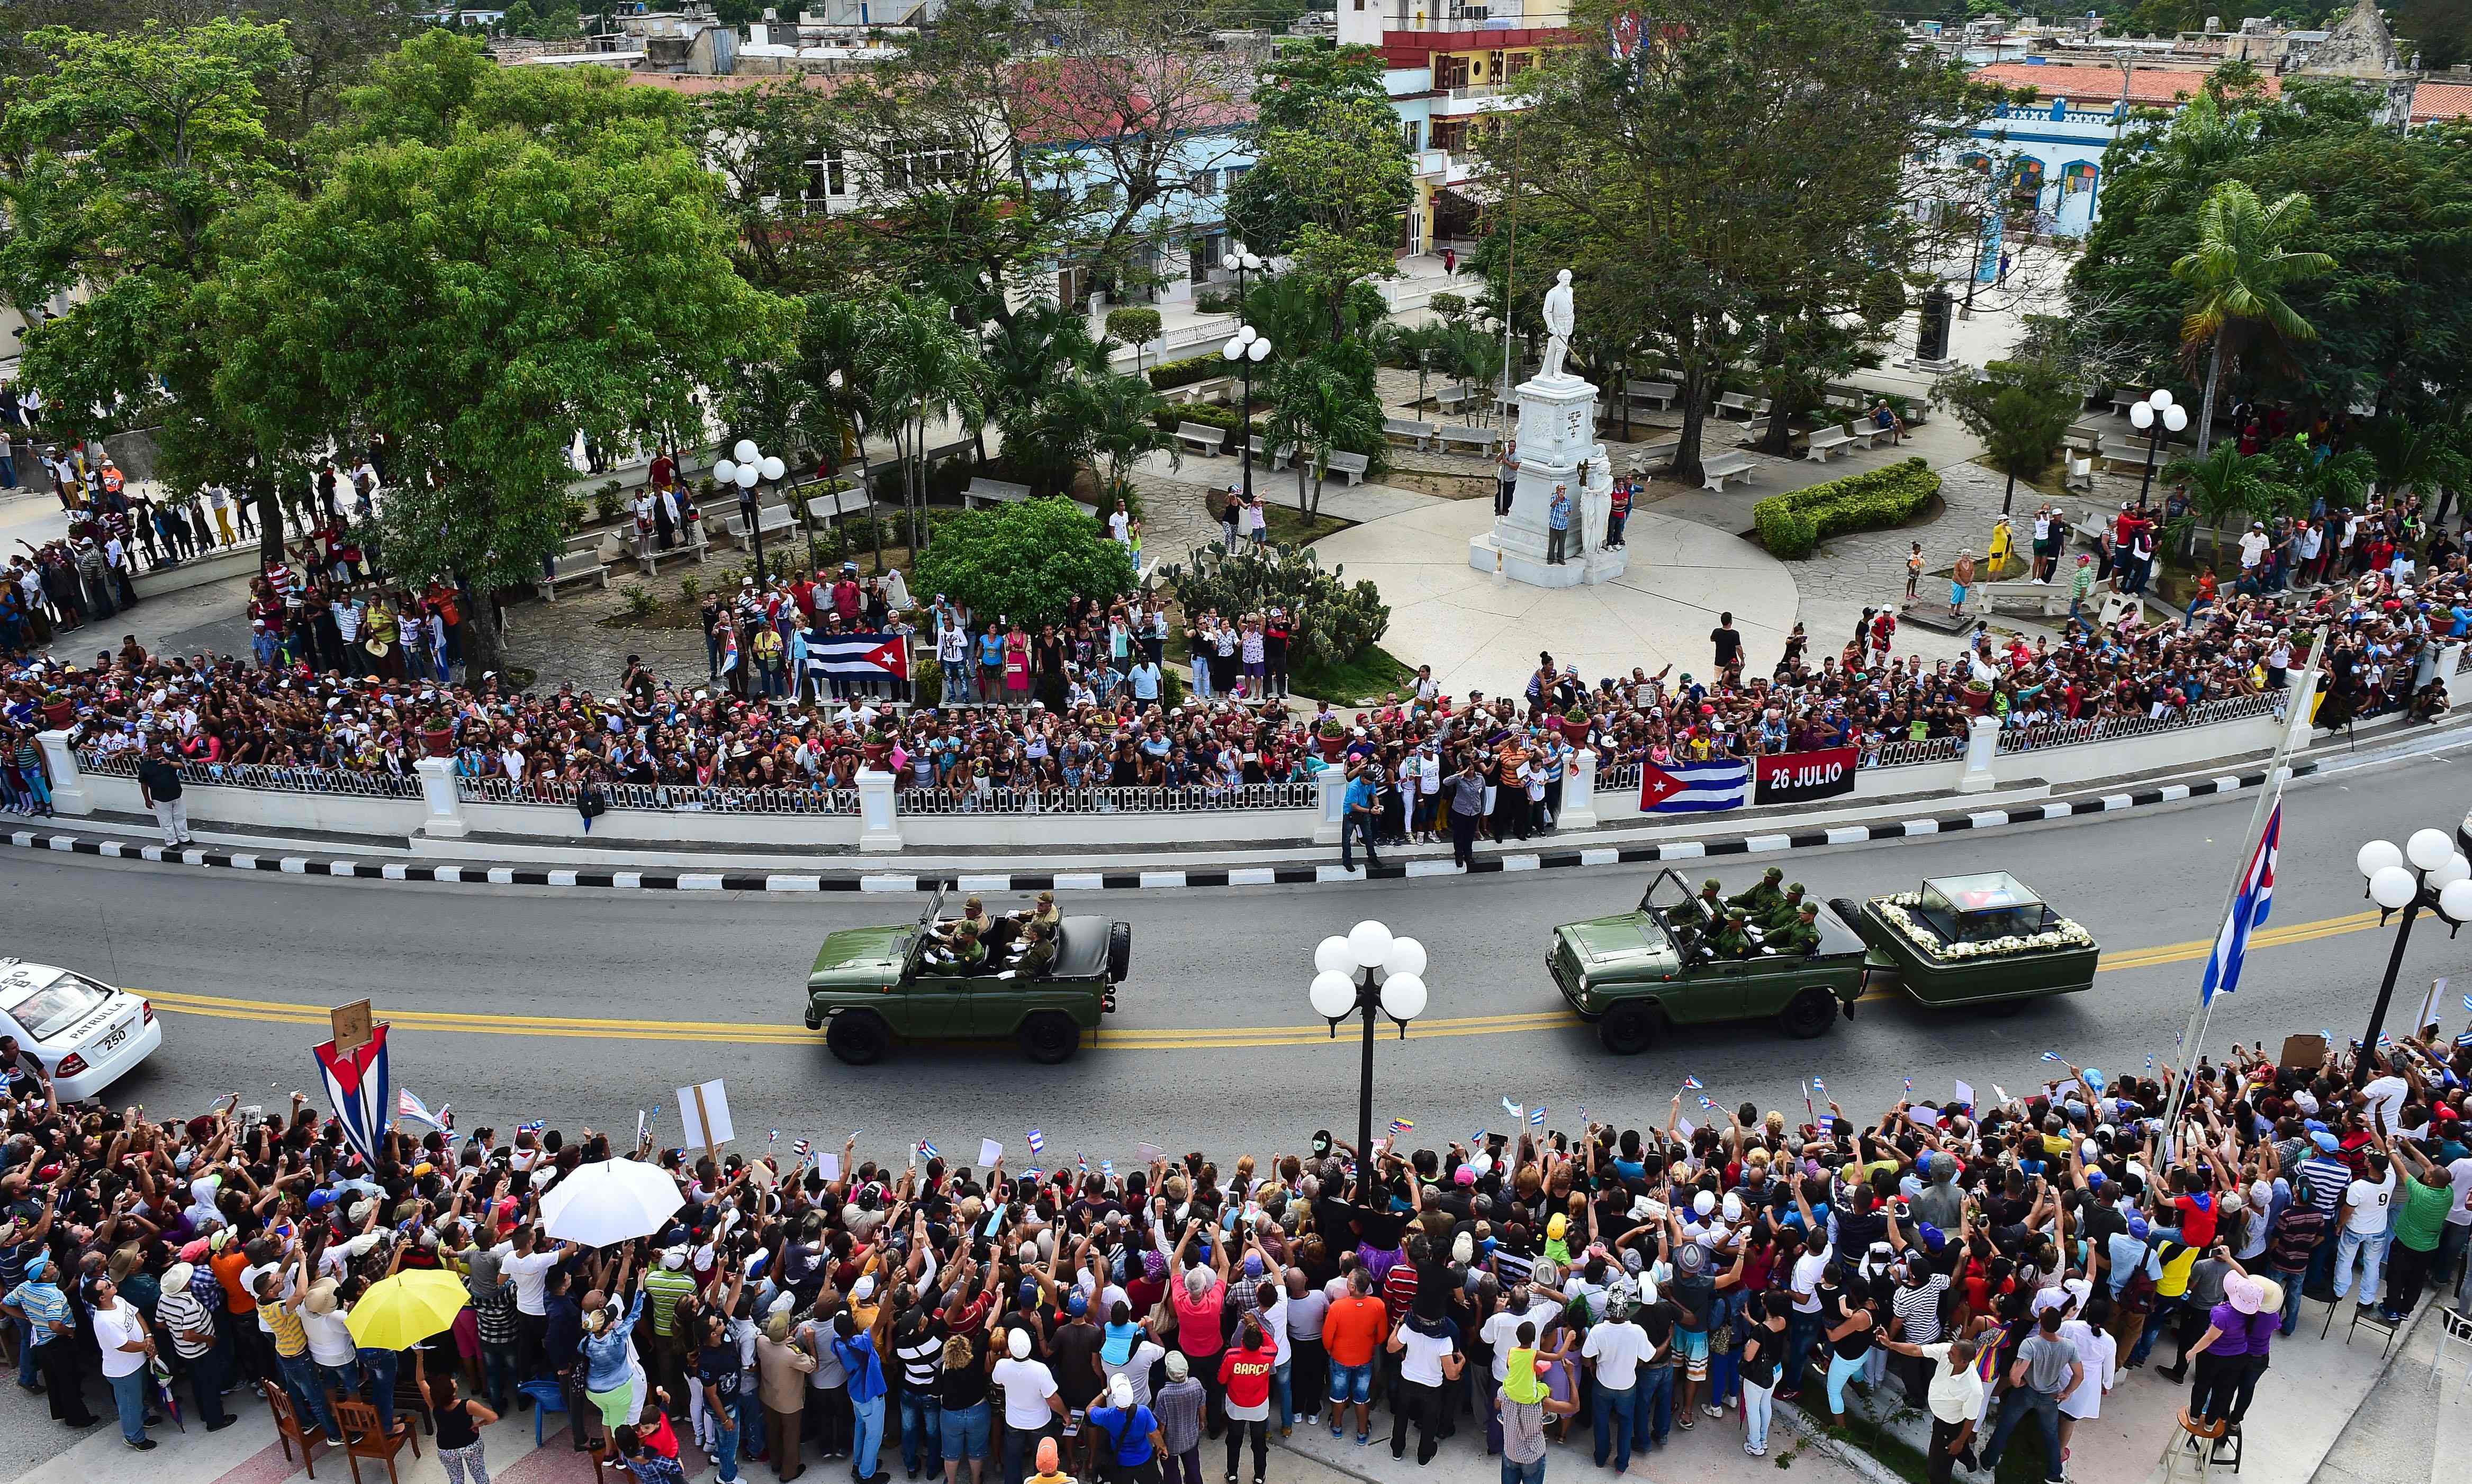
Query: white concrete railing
{"type": "Point", "coordinates": [437, 805]}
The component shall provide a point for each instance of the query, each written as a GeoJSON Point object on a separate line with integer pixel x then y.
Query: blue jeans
{"type": "Point", "coordinates": [724, 1447]}
{"type": "Point", "coordinates": [1281, 1407]}
{"type": "Point", "coordinates": [379, 1366]}
{"type": "Point", "coordinates": [1652, 1413]}
{"type": "Point", "coordinates": [26, 1353]}
{"type": "Point", "coordinates": [1523, 1473]}
{"type": "Point", "coordinates": [2290, 1298]}
{"type": "Point", "coordinates": [207, 1374]}
{"type": "Point", "coordinates": [129, 1398]}
{"type": "Point", "coordinates": [1019, 1444]}
{"type": "Point", "coordinates": [2371, 1248]}
{"type": "Point", "coordinates": [1800, 1329]}
{"type": "Point", "coordinates": [748, 1412]}
{"type": "Point", "coordinates": [2322, 1264]}
{"type": "Point", "coordinates": [866, 1435]}
{"type": "Point", "coordinates": [2014, 1404]}
{"type": "Point", "coordinates": [1355, 826]}
{"type": "Point", "coordinates": [1614, 1411]}
{"type": "Point", "coordinates": [300, 1378]}
{"type": "Point", "coordinates": [346, 1379]}
{"type": "Point", "coordinates": [920, 1416]}
{"type": "Point", "coordinates": [498, 1375]}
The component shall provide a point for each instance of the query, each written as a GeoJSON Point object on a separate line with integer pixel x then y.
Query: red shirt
{"type": "Point", "coordinates": [1246, 1375]}
{"type": "Point", "coordinates": [2197, 1213]}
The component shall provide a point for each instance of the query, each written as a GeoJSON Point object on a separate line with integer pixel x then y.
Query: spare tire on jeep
{"type": "Point", "coordinates": [1120, 952]}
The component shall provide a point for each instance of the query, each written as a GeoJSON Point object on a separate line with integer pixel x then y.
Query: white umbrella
{"type": "Point", "coordinates": [613, 1201]}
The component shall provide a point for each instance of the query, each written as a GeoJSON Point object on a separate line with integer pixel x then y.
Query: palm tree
{"type": "Point", "coordinates": [1114, 416]}
{"type": "Point", "coordinates": [1316, 408]}
{"type": "Point", "coordinates": [2225, 485]}
{"type": "Point", "coordinates": [926, 368]}
{"type": "Point", "coordinates": [2420, 458]}
{"type": "Point", "coordinates": [2237, 271]}
{"type": "Point", "coordinates": [1473, 357]}
{"type": "Point", "coordinates": [838, 340]}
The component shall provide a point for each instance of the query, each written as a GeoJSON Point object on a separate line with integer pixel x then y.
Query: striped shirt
{"type": "Point", "coordinates": [179, 1312]}
{"type": "Point", "coordinates": [1918, 1308]}
{"type": "Point", "coordinates": [2328, 1178]}
{"type": "Point", "coordinates": [666, 1285]}
{"type": "Point", "coordinates": [290, 1337]}
{"type": "Point", "coordinates": [44, 1305]}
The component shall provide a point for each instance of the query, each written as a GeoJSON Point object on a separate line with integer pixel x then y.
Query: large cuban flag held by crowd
{"type": "Point", "coordinates": [859, 657]}
{"type": "Point", "coordinates": [357, 1085]}
{"type": "Point", "coordinates": [1694, 788]}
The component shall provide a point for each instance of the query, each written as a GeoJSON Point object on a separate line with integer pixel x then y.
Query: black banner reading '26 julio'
{"type": "Point", "coordinates": [1799, 777]}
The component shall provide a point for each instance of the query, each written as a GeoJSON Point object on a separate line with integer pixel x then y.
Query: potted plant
{"type": "Point", "coordinates": [438, 734]}
{"type": "Point", "coordinates": [1333, 738]}
{"type": "Point", "coordinates": [58, 711]}
{"type": "Point", "coordinates": [1978, 696]}
{"type": "Point", "coordinates": [872, 750]}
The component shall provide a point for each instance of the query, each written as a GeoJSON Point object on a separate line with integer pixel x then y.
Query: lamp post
{"type": "Point", "coordinates": [1248, 346]}
{"type": "Point", "coordinates": [2158, 403]}
{"type": "Point", "coordinates": [2428, 874]}
{"type": "Point", "coordinates": [1345, 984]}
{"type": "Point", "coordinates": [746, 466]}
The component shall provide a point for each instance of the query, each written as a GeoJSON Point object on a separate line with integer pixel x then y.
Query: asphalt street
{"type": "Point", "coordinates": [584, 1006]}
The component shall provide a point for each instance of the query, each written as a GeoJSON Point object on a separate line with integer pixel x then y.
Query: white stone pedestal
{"type": "Point", "coordinates": [1558, 445]}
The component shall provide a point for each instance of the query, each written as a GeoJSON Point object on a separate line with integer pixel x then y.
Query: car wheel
{"type": "Point", "coordinates": [858, 1037]}
{"type": "Point", "coordinates": [1050, 1037]}
{"type": "Point", "coordinates": [1627, 1029]}
{"type": "Point", "coordinates": [1810, 1015]}
{"type": "Point", "coordinates": [1120, 953]}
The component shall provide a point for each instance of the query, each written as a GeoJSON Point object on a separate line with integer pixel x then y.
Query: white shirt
{"type": "Point", "coordinates": [2461, 1172]}
{"type": "Point", "coordinates": [1807, 1269]}
{"type": "Point", "coordinates": [1501, 1331]}
{"type": "Point", "coordinates": [1420, 1356]}
{"type": "Point", "coordinates": [2252, 546]}
{"type": "Point", "coordinates": [2385, 1095]}
{"type": "Point", "coordinates": [2369, 1204]}
{"type": "Point", "coordinates": [1617, 1346]}
{"type": "Point", "coordinates": [529, 1274]}
{"type": "Point", "coordinates": [1120, 527]}
{"type": "Point", "coordinates": [120, 1325]}
{"type": "Point", "coordinates": [1955, 1395]}
{"type": "Point", "coordinates": [1027, 1385]}
{"type": "Point", "coordinates": [331, 1340]}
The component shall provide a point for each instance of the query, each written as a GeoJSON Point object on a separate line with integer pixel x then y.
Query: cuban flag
{"type": "Point", "coordinates": [859, 656]}
{"type": "Point", "coordinates": [729, 651]}
{"type": "Point", "coordinates": [1037, 1142]}
{"type": "Point", "coordinates": [356, 1084]}
{"type": "Point", "coordinates": [409, 1106]}
{"type": "Point", "coordinates": [1694, 788]}
{"type": "Point", "coordinates": [2249, 908]}
{"type": "Point", "coordinates": [1536, 1116]}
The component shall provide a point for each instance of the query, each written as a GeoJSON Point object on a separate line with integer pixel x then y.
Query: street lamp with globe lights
{"type": "Point", "coordinates": [1249, 347]}
{"type": "Point", "coordinates": [2143, 415]}
{"type": "Point", "coordinates": [2425, 874]}
{"type": "Point", "coordinates": [746, 466]}
{"type": "Point", "coordinates": [1345, 984]}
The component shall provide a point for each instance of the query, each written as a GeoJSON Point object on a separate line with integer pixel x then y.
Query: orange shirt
{"type": "Point", "coordinates": [1352, 1329]}
{"type": "Point", "coordinates": [227, 1267]}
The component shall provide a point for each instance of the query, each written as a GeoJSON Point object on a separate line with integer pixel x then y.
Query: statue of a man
{"type": "Point", "coordinates": [1557, 326]}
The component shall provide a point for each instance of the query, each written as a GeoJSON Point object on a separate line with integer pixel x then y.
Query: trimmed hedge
{"type": "Point", "coordinates": [1168, 375]}
{"type": "Point", "coordinates": [1790, 525]}
{"type": "Point", "coordinates": [1208, 413]}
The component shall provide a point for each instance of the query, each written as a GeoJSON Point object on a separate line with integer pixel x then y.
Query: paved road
{"type": "Point", "coordinates": [587, 1005]}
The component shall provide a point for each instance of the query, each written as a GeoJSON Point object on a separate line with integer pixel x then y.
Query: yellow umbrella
{"type": "Point", "coordinates": [406, 1309]}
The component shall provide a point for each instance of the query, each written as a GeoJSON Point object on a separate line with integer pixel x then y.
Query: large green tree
{"type": "Point", "coordinates": [2020, 407]}
{"type": "Point", "coordinates": [477, 301]}
{"type": "Point", "coordinates": [1330, 180]}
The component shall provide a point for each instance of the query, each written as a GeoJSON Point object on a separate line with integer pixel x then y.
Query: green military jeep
{"type": "Point", "coordinates": [1630, 974]}
{"type": "Point", "coordinates": [872, 985]}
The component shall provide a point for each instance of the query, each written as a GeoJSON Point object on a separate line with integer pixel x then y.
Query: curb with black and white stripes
{"type": "Point", "coordinates": [1132, 881]}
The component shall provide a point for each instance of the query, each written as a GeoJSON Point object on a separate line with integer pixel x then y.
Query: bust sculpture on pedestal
{"type": "Point", "coordinates": [1557, 450]}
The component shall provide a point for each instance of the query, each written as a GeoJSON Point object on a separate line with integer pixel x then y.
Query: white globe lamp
{"type": "Point", "coordinates": [1370, 942]}
{"type": "Point", "coordinates": [1333, 955]}
{"type": "Point", "coordinates": [774, 468]}
{"type": "Point", "coordinates": [2376, 855]}
{"type": "Point", "coordinates": [1333, 994]}
{"type": "Point", "coordinates": [725, 472]}
{"type": "Point", "coordinates": [2394, 887]}
{"type": "Point", "coordinates": [2429, 849]}
{"type": "Point", "coordinates": [1407, 956]}
{"type": "Point", "coordinates": [745, 450]}
{"type": "Point", "coordinates": [1403, 997]}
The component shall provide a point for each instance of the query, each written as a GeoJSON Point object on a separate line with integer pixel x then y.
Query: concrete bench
{"type": "Point", "coordinates": [2080, 474]}
{"type": "Point", "coordinates": [1659, 392]}
{"type": "Point", "coordinates": [687, 549]}
{"type": "Point", "coordinates": [2047, 599]}
{"type": "Point", "coordinates": [1479, 440]}
{"type": "Point", "coordinates": [1272, 458]}
{"type": "Point", "coordinates": [1201, 437]}
{"type": "Point", "coordinates": [1742, 402]}
{"type": "Point", "coordinates": [1714, 471]}
{"type": "Point", "coordinates": [771, 520]}
{"type": "Point", "coordinates": [993, 492]}
{"type": "Point", "coordinates": [1825, 441]}
{"type": "Point", "coordinates": [1450, 399]}
{"type": "Point", "coordinates": [1658, 452]}
{"type": "Point", "coordinates": [1210, 390]}
{"type": "Point", "coordinates": [2123, 398]}
{"type": "Point", "coordinates": [1416, 434]}
{"type": "Point", "coordinates": [2123, 452]}
{"type": "Point", "coordinates": [1352, 467]}
{"type": "Point", "coordinates": [1756, 430]}
{"type": "Point", "coordinates": [824, 508]}
{"type": "Point", "coordinates": [573, 566]}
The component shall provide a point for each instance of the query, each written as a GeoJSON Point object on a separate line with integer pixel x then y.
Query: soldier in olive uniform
{"type": "Point", "coordinates": [1734, 939]}
{"type": "Point", "coordinates": [1038, 959]}
{"type": "Point", "coordinates": [1711, 905]}
{"type": "Point", "coordinates": [1801, 936]}
{"type": "Point", "coordinates": [1763, 897]}
{"type": "Point", "coordinates": [1782, 915]}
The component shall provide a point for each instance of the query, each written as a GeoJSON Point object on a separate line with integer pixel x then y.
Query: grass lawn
{"type": "Point", "coordinates": [1361, 681]}
{"type": "Point", "coordinates": [1291, 527]}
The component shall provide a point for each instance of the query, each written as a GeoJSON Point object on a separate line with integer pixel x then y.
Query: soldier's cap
{"type": "Point", "coordinates": [1737, 911]}
{"type": "Point", "coordinates": [1791, 891]}
{"type": "Point", "coordinates": [1775, 873]}
{"type": "Point", "coordinates": [1710, 885]}
{"type": "Point", "coordinates": [1809, 910]}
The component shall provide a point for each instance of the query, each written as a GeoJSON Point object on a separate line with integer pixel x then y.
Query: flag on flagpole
{"type": "Point", "coordinates": [1708, 1103]}
{"type": "Point", "coordinates": [1082, 1162]}
{"type": "Point", "coordinates": [533, 1127]}
{"type": "Point", "coordinates": [1037, 1142]}
{"type": "Point", "coordinates": [2054, 1057]}
{"type": "Point", "coordinates": [1692, 1084]}
{"type": "Point", "coordinates": [357, 1086]}
{"type": "Point", "coordinates": [2250, 905]}
{"type": "Point", "coordinates": [802, 1148]}
{"type": "Point", "coordinates": [1820, 1087]}
{"type": "Point", "coordinates": [729, 652]}
{"type": "Point", "coordinates": [1107, 1169]}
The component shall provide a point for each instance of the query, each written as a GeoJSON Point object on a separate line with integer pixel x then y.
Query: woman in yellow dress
{"type": "Point", "coordinates": [2001, 542]}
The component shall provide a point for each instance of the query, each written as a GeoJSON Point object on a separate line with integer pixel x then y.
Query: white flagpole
{"type": "Point", "coordinates": [2295, 725]}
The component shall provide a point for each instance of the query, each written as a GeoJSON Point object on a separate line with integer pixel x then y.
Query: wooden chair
{"type": "Point", "coordinates": [412, 1395]}
{"type": "Point", "coordinates": [364, 1438]}
{"type": "Point", "coordinates": [288, 1429]}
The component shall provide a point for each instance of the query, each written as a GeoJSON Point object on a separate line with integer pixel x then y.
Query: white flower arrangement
{"type": "Point", "coordinates": [2064, 935]}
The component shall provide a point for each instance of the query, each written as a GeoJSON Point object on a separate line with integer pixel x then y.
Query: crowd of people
{"type": "Point", "coordinates": [2005, 1265]}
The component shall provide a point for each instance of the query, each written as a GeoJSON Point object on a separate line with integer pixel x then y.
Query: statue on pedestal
{"type": "Point", "coordinates": [1558, 326]}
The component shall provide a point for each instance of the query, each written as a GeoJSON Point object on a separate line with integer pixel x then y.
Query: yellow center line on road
{"type": "Point", "coordinates": [1160, 1039]}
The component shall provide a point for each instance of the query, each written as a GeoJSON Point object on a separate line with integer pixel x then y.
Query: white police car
{"type": "Point", "coordinates": [88, 1035]}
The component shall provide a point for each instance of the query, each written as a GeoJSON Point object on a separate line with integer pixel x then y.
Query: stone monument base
{"type": "Point", "coordinates": [1487, 555]}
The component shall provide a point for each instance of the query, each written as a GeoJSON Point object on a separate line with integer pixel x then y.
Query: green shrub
{"type": "Point", "coordinates": [1215, 301]}
{"type": "Point", "coordinates": [1209, 415]}
{"type": "Point", "coordinates": [690, 589]}
{"type": "Point", "coordinates": [638, 602]}
{"type": "Point", "coordinates": [1168, 375]}
{"type": "Point", "coordinates": [1024, 560]}
{"type": "Point", "coordinates": [1790, 525]}
{"type": "Point", "coordinates": [608, 504]}
{"type": "Point", "coordinates": [1334, 623]}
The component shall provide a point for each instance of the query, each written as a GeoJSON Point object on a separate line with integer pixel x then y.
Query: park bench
{"type": "Point", "coordinates": [1656, 451]}
{"type": "Point", "coordinates": [1272, 459]}
{"type": "Point", "coordinates": [2048, 599]}
{"type": "Point", "coordinates": [2128, 451]}
{"type": "Point", "coordinates": [1825, 441]}
{"type": "Point", "coordinates": [993, 492]}
{"type": "Point", "coordinates": [1479, 440]}
{"type": "Point", "coordinates": [2123, 398]}
{"type": "Point", "coordinates": [1715, 471]}
{"type": "Point", "coordinates": [771, 520]}
{"type": "Point", "coordinates": [2078, 474]}
{"type": "Point", "coordinates": [1353, 466]}
{"type": "Point", "coordinates": [688, 547]}
{"type": "Point", "coordinates": [1450, 399]}
{"type": "Point", "coordinates": [573, 566]}
{"type": "Point", "coordinates": [1201, 437]}
{"type": "Point", "coordinates": [1209, 391]}
{"type": "Point", "coordinates": [1416, 434]}
{"type": "Point", "coordinates": [1742, 402]}
{"type": "Point", "coordinates": [1659, 392]}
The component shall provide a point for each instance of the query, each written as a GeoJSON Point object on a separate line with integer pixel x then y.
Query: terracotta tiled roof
{"type": "Point", "coordinates": [2096, 87]}
{"type": "Point", "coordinates": [2441, 100]}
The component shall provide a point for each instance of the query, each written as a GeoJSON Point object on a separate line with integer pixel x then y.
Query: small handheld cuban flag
{"type": "Point", "coordinates": [928, 1149]}
{"type": "Point", "coordinates": [772, 1136]}
{"type": "Point", "coordinates": [1033, 1174]}
{"type": "Point", "coordinates": [1820, 1087]}
{"type": "Point", "coordinates": [533, 1127]}
{"type": "Point", "coordinates": [1910, 1087]}
{"type": "Point", "coordinates": [1536, 1116]}
{"type": "Point", "coordinates": [1708, 1103]}
{"type": "Point", "coordinates": [2467, 1003]}
{"type": "Point", "coordinates": [1692, 1084]}
{"type": "Point", "coordinates": [1082, 1162]}
{"type": "Point", "coordinates": [1584, 1113]}
{"type": "Point", "coordinates": [1477, 1139]}
{"type": "Point", "coordinates": [1107, 1169]}
{"type": "Point", "coordinates": [2053, 1057]}
{"type": "Point", "coordinates": [2149, 1062]}
{"type": "Point", "coordinates": [1037, 1142]}
{"type": "Point", "coordinates": [1401, 1126]}
{"type": "Point", "coordinates": [802, 1148]}
{"type": "Point", "coordinates": [1511, 1108]}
